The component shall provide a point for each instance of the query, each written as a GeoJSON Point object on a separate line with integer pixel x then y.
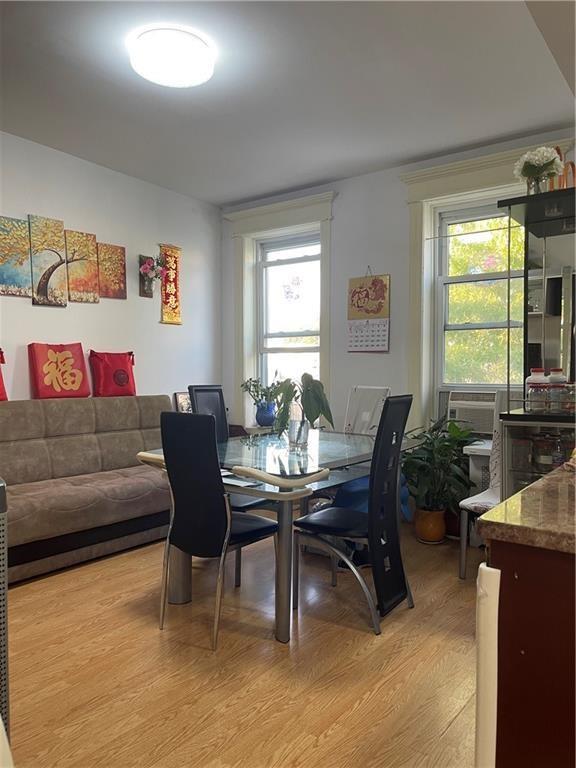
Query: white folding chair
{"type": "Point", "coordinates": [364, 408]}
{"type": "Point", "coordinates": [486, 500]}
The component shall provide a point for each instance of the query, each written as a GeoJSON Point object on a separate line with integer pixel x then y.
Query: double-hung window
{"type": "Point", "coordinates": [289, 307]}
{"type": "Point", "coordinates": [472, 299]}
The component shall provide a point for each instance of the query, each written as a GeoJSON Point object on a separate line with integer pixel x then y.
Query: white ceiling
{"type": "Point", "coordinates": [303, 93]}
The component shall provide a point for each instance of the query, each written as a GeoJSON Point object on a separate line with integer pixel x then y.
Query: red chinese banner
{"type": "Point", "coordinates": [170, 297]}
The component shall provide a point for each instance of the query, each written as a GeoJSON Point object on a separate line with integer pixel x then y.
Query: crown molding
{"type": "Point", "coordinates": [476, 164]}
{"type": "Point", "coordinates": [285, 205]}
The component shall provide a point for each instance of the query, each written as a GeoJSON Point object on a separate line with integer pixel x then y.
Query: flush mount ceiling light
{"type": "Point", "coordinates": [171, 55]}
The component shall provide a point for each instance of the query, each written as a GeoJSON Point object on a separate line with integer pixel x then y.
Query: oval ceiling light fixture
{"type": "Point", "coordinates": [171, 55]}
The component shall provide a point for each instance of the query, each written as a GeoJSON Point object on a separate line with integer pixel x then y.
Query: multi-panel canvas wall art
{"type": "Point", "coordinates": [15, 277]}
{"type": "Point", "coordinates": [48, 255]}
{"type": "Point", "coordinates": [112, 271]}
{"type": "Point", "coordinates": [82, 261]}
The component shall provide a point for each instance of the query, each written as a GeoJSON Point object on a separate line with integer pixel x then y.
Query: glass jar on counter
{"type": "Point", "coordinates": [537, 398]}
{"type": "Point", "coordinates": [544, 447]}
{"type": "Point", "coordinates": [569, 404]}
{"type": "Point", "coordinates": [558, 395]}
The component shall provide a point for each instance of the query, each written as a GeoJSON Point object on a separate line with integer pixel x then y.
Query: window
{"type": "Point", "coordinates": [289, 307]}
{"type": "Point", "coordinates": [472, 298]}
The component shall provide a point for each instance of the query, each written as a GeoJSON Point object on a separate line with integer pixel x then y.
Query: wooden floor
{"type": "Point", "coordinates": [95, 683]}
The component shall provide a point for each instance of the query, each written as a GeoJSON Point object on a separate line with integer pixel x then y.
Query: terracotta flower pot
{"type": "Point", "coordinates": [430, 526]}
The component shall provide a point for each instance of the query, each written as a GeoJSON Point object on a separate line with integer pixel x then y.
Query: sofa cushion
{"type": "Point", "coordinates": [75, 455]}
{"type": "Point", "coordinates": [50, 508]}
{"type": "Point", "coordinates": [24, 461]}
{"type": "Point", "coordinates": [114, 413]}
{"type": "Point", "coordinates": [69, 417]}
{"type": "Point", "coordinates": [22, 420]}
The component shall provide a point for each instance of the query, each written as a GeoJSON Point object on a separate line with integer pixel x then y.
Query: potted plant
{"type": "Point", "coordinates": [264, 399]}
{"type": "Point", "coordinates": [436, 471]}
{"type": "Point", "coordinates": [309, 397]}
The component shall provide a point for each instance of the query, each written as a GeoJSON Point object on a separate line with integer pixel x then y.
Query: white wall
{"type": "Point", "coordinates": [370, 226]}
{"type": "Point", "coordinates": [122, 210]}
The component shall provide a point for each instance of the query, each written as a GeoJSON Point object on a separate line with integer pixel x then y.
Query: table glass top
{"type": "Point", "coordinates": [272, 454]}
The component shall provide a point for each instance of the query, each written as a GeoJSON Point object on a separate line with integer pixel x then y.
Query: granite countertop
{"type": "Point", "coordinates": [541, 515]}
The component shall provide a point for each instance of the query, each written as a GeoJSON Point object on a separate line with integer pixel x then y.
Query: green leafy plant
{"type": "Point", "coordinates": [309, 395]}
{"type": "Point", "coordinates": [259, 393]}
{"type": "Point", "coordinates": [436, 470]}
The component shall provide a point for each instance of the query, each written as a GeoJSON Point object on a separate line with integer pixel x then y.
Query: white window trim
{"type": "Point", "coordinates": [483, 208]}
{"type": "Point", "coordinates": [262, 266]}
{"type": "Point", "coordinates": [461, 183]}
{"type": "Point", "coordinates": [249, 227]}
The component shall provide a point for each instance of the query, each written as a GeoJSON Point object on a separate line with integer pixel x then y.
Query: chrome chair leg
{"type": "Point", "coordinates": [463, 541]}
{"type": "Point", "coordinates": [238, 567]}
{"type": "Point", "coordinates": [219, 593]}
{"type": "Point", "coordinates": [164, 588]}
{"type": "Point", "coordinates": [409, 598]}
{"type": "Point", "coordinates": [318, 541]}
{"type": "Point", "coordinates": [295, 571]}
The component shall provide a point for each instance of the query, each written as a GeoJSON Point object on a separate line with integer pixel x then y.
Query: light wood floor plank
{"type": "Point", "coordinates": [95, 683]}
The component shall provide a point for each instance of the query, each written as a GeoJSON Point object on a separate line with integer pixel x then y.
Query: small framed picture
{"type": "Point", "coordinates": [182, 402]}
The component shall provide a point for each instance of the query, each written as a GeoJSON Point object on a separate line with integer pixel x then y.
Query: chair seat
{"type": "Point", "coordinates": [248, 528]}
{"type": "Point", "coordinates": [240, 501]}
{"type": "Point", "coordinates": [481, 502]}
{"type": "Point", "coordinates": [345, 522]}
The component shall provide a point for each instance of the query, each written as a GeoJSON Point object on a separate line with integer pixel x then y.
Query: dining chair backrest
{"type": "Point", "coordinates": [209, 399]}
{"type": "Point", "coordinates": [200, 516]}
{"type": "Point", "coordinates": [364, 409]}
{"type": "Point", "coordinates": [495, 464]}
{"type": "Point", "coordinates": [384, 503]}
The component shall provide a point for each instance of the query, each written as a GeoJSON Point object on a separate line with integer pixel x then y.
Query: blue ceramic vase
{"type": "Point", "coordinates": [265, 414]}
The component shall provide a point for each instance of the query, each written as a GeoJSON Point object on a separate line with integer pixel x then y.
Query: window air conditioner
{"type": "Point", "coordinates": [475, 408]}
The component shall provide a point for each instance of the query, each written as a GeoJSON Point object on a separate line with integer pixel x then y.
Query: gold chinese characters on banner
{"type": "Point", "coordinates": [170, 298]}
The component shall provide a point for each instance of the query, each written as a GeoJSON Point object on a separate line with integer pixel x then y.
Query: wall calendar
{"type": "Point", "coordinates": [369, 313]}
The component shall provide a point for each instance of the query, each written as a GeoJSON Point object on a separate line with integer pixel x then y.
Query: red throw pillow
{"type": "Point", "coordinates": [58, 370]}
{"type": "Point", "coordinates": [3, 395]}
{"type": "Point", "coordinates": [112, 373]}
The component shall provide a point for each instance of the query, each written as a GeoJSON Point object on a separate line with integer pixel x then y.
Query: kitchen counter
{"type": "Point", "coordinates": [530, 542]}
{"type": "Point", "coordinates": [541, 515]}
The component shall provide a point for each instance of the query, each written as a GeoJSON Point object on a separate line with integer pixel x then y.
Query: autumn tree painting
{"type": "Point", "coordinates": [15, 277]}
{"type": "Point", "coordinates": [48, 252]}
{"type": "Point", "coordinates": [112, 271]}
{"type": "Point", "coordinates": [82, 261]}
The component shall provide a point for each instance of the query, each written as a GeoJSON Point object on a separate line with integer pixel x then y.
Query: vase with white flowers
{"type": "Point", "coordinates": [536, 166]}
{"type": "Point", "coordinates": [151, 270]}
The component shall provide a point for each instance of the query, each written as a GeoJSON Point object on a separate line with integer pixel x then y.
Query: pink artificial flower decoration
{"type": "Point", "coordinates": [145, 268]}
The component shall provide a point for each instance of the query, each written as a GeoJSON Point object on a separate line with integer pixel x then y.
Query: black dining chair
{"type": "Point", "coordinates": [202, 522]}
{"type": "Point", "coordinates": [378, 529]}
{"type": "Point", "coordinates": [209, 399]}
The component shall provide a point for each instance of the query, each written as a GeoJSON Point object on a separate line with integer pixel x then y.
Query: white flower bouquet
{"type": "Point", "coordinates": [541, 163]}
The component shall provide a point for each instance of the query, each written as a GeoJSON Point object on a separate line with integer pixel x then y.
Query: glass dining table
{"type": "Point", "coordinates": [345, 455]}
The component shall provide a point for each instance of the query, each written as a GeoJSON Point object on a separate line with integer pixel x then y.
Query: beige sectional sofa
{"type": "Point", "coordinates": [75, 489]}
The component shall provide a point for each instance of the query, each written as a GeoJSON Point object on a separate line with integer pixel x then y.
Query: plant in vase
{"type": "Point", "coordinates": [152, 269]}
{"type": "Point", "coordinates": [264, 399]}
{"type": "Point", "coordinates": [536, 166]}
{"type": "Point", "coordinates": [437, 475]}
{"type": "Point", "coordinates": [309, 397]}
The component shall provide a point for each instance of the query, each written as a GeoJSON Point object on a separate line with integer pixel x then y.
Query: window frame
{"type": "Point", "coordinates": [264, 246]}
{"type": "Point", "coordinates": [444, 218]}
